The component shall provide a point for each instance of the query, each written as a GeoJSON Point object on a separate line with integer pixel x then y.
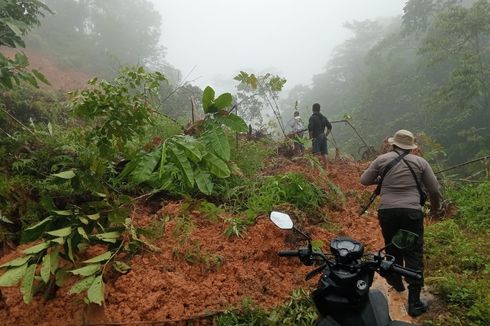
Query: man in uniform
{"type": "Point", "coordinates": [316, 127]}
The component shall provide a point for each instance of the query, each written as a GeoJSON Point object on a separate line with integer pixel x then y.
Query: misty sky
{"type": "Point", "coordinates": [291, 38]}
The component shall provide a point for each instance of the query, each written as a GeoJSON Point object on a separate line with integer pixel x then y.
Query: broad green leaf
{"type": "Point", "coordinates": [16, 262]}
{"type": "Point", "coordinates": [36, 249]}
{"type": "Point", "coordinates": [46, 268]}
{"type": "Point", "coordinates": [189, 145]}
{"type": "Point", "coordinates": [145, 167]}
{"type": "Point", "coordinates": [27, 283]}
{"type": "Point", "coordinates": [61, 233]}
{"type": "Point", "coordinates": [217, 166]}
{"type": "Point", "coordinates": [233, 122]}
{"type": "Point", "coordinates": [40, 76]}
{"type": "Point", "coordinates": [21, 59]}
{"type": "Point", "coordinates": [121, 267]}
{"type": "Point", "coordinates": [183, 162]}
{"type": "Point", "coordinates": [13, 27]}
{"type": "Point", "coordinates": [13, 275]}
{"type": "Point", "coordinates": [65, 175]}
{"type": "Point", "coordinates": [82, 232]}
{"type": "Point", "coordinates": [54, 258]}
{"type": "Point", "coordinates": [223, 101]}
{"type": "Point", "coordinates": [95, 293]}
{"type": "Point", "coordinates": [84, 220]}
{"type": "Point", "coordinates": [217, 141]}
{"type": "Point", "coordinates": [34, 232]}
{"type": "Point", "coordinates": [30, 79]}
{"type": "Point", "coordinates": [103, 257]}
{"type": "Point", "coordinates": [207, 98]}
{"type": "Point", "coordinates": [86, 270]}
{"type": "Point", "coordinates": [204, 183]}
{"type": "Point", "coordinates": [94, 217]}
{"type": "Point", "coordinates": [83, 285]}
{"type": "Point", "coordinates": [58, 241]}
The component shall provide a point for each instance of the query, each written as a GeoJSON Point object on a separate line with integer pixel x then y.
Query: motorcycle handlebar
{"type": "Point", "coordinates": [405, 272]}
{"type": "Point", "coordinates": [288, 253]}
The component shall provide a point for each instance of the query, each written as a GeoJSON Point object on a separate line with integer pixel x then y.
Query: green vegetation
{"type": "Point", "coordinates": [458, 259]}
{"type": "Point", "coordinates": [17, 18]}
{"type": "Point", "coordinates": [300, 310]}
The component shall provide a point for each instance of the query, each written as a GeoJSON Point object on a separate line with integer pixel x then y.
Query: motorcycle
{"type": "Point", "coordinates": [343, 296]}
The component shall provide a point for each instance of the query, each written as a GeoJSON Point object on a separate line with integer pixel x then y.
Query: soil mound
{"type": "Point", "coordinates": [202, 272]}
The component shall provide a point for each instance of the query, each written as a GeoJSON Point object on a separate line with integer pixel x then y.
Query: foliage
{"type": "Point", "coordinates": [120, 108]}
{"type": "Point", "coordinates": [457, 260]}
{"type": "Point", "coordinates": [427, 72]}
{"type": "Point", "coordinates": [262, 195]}
{"type": "Point", "coordinates": [100, 36]}
{"type": "Point", "coordinates": [16, 19]}
{"type": "Point", "coordinates": [474, 211]}
{"type": "Point", "coordinates": [300, 310]}
{"type": "Point", "coordinates": [185, 164]}
{"type": "Point", "coordinates": [72, 191]}
{"type": "Point", "coordinates": [255, 93]}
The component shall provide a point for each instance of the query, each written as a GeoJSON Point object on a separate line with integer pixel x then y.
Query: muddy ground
{"type": "Point", "coordinates": [204, 272]}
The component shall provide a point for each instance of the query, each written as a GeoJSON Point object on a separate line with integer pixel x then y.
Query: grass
{"type": "Point", "coordinates": [458, 259]}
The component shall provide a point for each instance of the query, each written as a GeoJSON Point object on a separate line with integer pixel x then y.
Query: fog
{"type": "Point", "coordinates": [211, 41]}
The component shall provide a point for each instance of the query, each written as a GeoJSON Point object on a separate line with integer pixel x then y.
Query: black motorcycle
{"type": "Point", "coordinates": [343, 296]}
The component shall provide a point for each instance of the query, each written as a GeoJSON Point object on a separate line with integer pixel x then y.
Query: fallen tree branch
{"type": "Point", "coordinates": [463, 164]}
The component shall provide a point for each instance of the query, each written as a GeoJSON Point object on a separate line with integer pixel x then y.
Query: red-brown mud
{"type": "Point", "coordinates": [204, 271]}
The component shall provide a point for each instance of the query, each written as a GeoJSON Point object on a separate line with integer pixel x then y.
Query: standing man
{"type": "Point", "coordinates": [316, 127]}
{"type": "Point", "coordinates": [297, 130]}
{"type": "Point", "coordinates": [402, 199]}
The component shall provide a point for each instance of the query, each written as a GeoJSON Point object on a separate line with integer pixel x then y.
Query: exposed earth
{"type": "Point", "coordinates": [205, 272]}
{"type": "Point", "coordinates": [201, 273]}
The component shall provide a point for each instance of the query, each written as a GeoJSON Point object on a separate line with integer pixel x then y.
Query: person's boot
{"type": "Point", "coordinates": [416, 307]}
{"type": "Point", "coordinates": [396, 282]}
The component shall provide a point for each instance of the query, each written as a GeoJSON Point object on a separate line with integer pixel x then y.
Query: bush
{"type": "Point", "coordinates": [474, 210]}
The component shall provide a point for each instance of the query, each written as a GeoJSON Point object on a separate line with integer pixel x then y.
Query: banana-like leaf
{"type": "Point", "coordinates": [204, 183]}
{"type": "Point", "coordinates": [145, 167]}
{"type": "Point", "coordinates": [217, 166]}
{"type": "Point", "coordinates": [183, 163]}
{"type": "Point", "coordinates": [190, 147]}
{"type": "Point", "coordinates": [218, 143]}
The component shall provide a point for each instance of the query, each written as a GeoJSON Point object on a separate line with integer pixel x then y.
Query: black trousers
{"type": "Point", "coordinates": [393, 219]}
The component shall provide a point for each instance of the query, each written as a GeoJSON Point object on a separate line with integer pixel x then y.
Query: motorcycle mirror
{"type": "Point", "coordinates": [282, 220]}
{"type": "Point", "coordinates": [404, 239]}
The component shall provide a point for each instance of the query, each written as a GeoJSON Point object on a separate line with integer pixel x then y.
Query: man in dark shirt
{"type": "Point", "coordinates": [316, 127]}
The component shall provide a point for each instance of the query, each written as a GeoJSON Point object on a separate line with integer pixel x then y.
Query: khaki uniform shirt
{"type": "Point", "coordinates": [399, 189]}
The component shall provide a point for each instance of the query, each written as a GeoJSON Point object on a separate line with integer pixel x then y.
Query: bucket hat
{"type": "Point", "coordinates": [403, 139]}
